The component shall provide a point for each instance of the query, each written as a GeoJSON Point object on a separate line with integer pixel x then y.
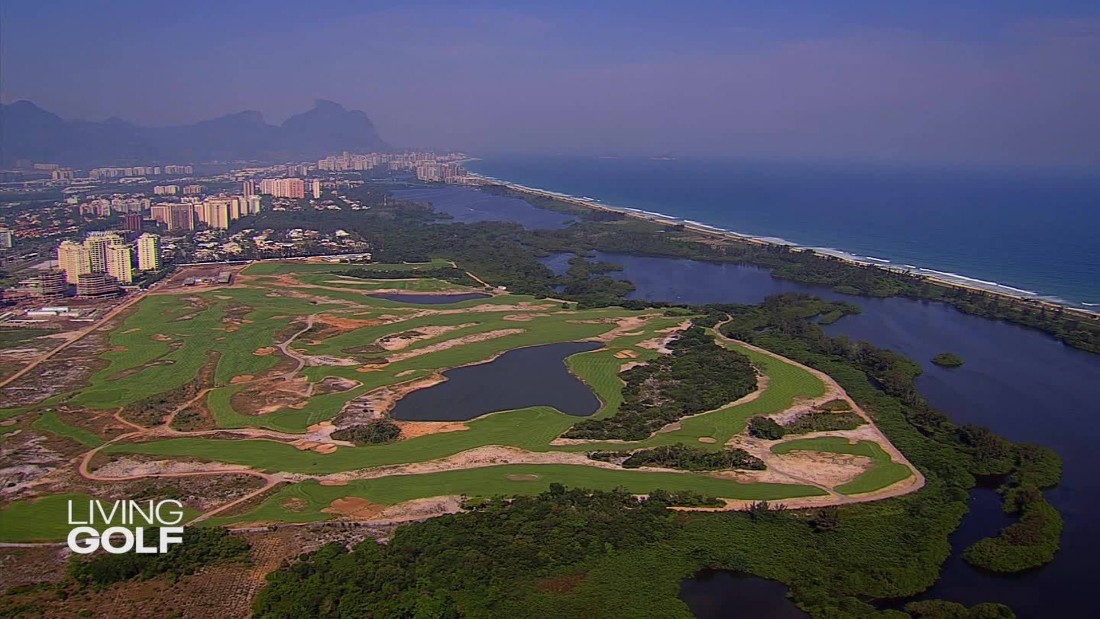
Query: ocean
{"type": "Point", "coordinates": [1035, 232]}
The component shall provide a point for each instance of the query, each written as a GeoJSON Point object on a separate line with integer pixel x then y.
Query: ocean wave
{"type": "Point", "coordinates": [882, 260]}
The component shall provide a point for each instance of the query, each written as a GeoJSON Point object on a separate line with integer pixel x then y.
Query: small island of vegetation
{"type": "Point", "coordinates": [948, 360]}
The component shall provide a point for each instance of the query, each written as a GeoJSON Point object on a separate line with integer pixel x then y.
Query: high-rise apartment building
{"type": "Point", "coordinates": [181, 217]}
{"type": "Point", "coordinates": [250, 188]}
{"type": "Point", "coordinates": [72, 258]}
{"type": "Point", "coordinates": [284, 187]}
{"type": "Point", "coordinates": [97, 243]}
{"type": "Point", "coordinates": [216, 213]}
{"type": "Point", "coordinates": [316, 189]}
{"type": "Point", "coordinates": [160, 213]}
{"type": "Point", "coordinates": [254, 203]}
{"type": "Point", "coordinates": [148, 246]}
{"type": "Point", "coordinates": [133, 222]}
{"type": "Point", "coordinates": [7, 238]}
{"type": "Point", "coordinates": [120, 263]}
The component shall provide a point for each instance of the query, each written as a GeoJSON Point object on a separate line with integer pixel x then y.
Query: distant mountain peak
{"type": "Point", "coordinates": [30, 132]}
{"type": "Point", "coordinates": [325, 104]}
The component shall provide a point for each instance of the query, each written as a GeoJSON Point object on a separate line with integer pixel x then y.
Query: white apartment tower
{"type": "Point", "coordinates": [148, 246]}
{"type": "Point", "coordinates": [97, 243]}
{"type": "Point", "coordinates": [72, 258]}
{"type": "Point", "coordinates": [120, 264]}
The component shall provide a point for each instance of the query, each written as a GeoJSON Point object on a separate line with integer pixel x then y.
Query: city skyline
{"type": "Point", "coordinates": [1010, 87]}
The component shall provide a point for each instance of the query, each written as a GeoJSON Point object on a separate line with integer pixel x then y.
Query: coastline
{"type": "Point", "coordinates": [950, 280]}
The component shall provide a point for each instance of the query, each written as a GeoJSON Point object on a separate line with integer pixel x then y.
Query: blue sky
{"type": "Point", "coordinates": [983, 83]}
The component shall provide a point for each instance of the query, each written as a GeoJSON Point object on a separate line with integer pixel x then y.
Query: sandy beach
{"type": "Point", "coordinates": [938, 277]}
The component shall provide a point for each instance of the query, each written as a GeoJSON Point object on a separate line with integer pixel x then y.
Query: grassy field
{"type": "Point", "coordinates": [499, 480]}
{"type": "Point", "coordinates": [170, 340]}
{"type": "Point", "coordinates": [47, 519]}
{"type": "Point", "coordinates": [293, 267]}
{"type": "Point", "coordinates": [50, 422]}
{"type": "Point", "coordinates": [884, 473]}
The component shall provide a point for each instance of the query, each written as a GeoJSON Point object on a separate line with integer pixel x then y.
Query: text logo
{"type": "Point", "coordinates": [119, 526]}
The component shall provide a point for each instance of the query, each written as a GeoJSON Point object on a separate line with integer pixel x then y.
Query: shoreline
{"type": "Point", "coordinates": [951, 280]}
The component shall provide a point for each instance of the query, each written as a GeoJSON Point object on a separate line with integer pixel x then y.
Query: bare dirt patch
{"type": "Point", "coordinates": [403, 340]}
{"type": "Point", "coordinates": [265, 351]}
{"type": "Point", "coordinates": [524, 317]}
{"type": "Point", "coordinates": [354, 508]}
{"type": "Point", "coordinates": [242, 378]}
{"type": "Point", "coordinates": [413, 429]}
{"type": "Point", "coordinates": [826, 469]}
{"type": "Point", "coordinates": [461, 341]}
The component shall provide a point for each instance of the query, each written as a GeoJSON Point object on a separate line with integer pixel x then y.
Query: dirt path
{"type": "Point", "coordinates": [288, 351]}
{"type": "Point", "coordinates": [913, 483]}
{"type": "Point", "coordinates": [79, 336]}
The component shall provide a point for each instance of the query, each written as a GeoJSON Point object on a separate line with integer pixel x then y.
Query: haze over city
{"type": "Point", "coordinates": [972, 83]}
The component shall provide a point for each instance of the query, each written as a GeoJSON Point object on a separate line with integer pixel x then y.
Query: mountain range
{"type": "Point", "coordinates": [30, 132]}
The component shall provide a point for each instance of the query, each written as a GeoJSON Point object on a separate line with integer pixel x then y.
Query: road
{"type": "Point", "coordinates": [79, 336]}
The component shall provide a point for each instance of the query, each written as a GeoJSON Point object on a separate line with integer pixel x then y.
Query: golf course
{"type": "Point", "coordinates": [282, 373]}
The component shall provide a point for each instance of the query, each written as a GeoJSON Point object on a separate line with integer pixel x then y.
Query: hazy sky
{"type": "Point", "coordinates": [993, 82]}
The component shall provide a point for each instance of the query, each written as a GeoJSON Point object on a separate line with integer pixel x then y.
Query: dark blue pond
{"type": "Point", "coordinates": [534, 376]}
{"type": "Point", "coordinates": [1017, 381]}
{"type": "Point", "coordinates": [719, 594]}
{"type": "Point", "coordinates": [430, 299]}
{"type": "Point", "coordinates": [469, 205]}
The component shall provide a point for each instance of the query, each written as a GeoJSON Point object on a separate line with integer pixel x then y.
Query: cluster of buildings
{"type": "Point", "coordinates": [216, 212]}
{"type": "Point", "coordinates": [168, 170]}
{"type": "Point", "coordinates": [99, 265]}
{"type": "Point", "coordinates": [290, 187]}
{"type": "Point", "coordinates": [433, 172]}
{"type": "Point", "coordinates": [171, 190]}
{"type": "Point", "coordinates": [351, 162]}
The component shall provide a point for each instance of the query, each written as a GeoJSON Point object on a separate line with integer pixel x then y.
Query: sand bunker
{"type": "Point", "coordinates": [826, 469]}
{"type": "Point", "coordinates": [461, 341]}
{"type": "Point", "coordinates": [523, 317]}
{"type": "Point", "coordinates": [354, 508]}
{"type": "Point", "coordinates": [243, 378]}
{"type": "Point", "coordinates": [263, 352]}
{"type": "Point", "coordinates": [413, 429]}
{"type": "Point", "coordinates": [626, 354]}
{"type": "Point", "coordinates": [403, 340]}
{"type": "Point", "coordinates": [527, 477]}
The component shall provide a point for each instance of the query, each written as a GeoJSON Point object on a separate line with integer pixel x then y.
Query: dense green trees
{"type": "Point", "coordinates": [466, 565]}
{"type": "Point", "coordinates": [373, 433]}
{"type": "Point", "coordinates": [948, 360]}
{"type": "Point", "coordinates": [698, 376]}
{"type": "Point", "coordinates": [766, 428]}
{"type": "Point", "coordinates": [201, 547]}
{"type": "Point", "coordinates": [684, 457]}
{"type": "Point", "coordinates": [823, 422]}
{"type": "Point", "coordinates": [1031, 541]}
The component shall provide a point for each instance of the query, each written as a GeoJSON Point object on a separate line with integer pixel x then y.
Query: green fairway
{"type": "Point", "coordinates": [501, 480]}
{"type": "Point", "coordinates": [47, 519]}
{"type": "Point", "coordinates": [53, 424]}
{"type": "Point", "coordinates": [279, 268]}
{"type": "Point", "coordinates": [884, 473]}
{"type": "Point", "coordinates": [532, 429]}
{"type": "Point", "coordinates": [226, 341]}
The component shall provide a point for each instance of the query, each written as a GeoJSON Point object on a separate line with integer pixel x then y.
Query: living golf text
{"type": "Point", "coordinates": [124, 523]}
